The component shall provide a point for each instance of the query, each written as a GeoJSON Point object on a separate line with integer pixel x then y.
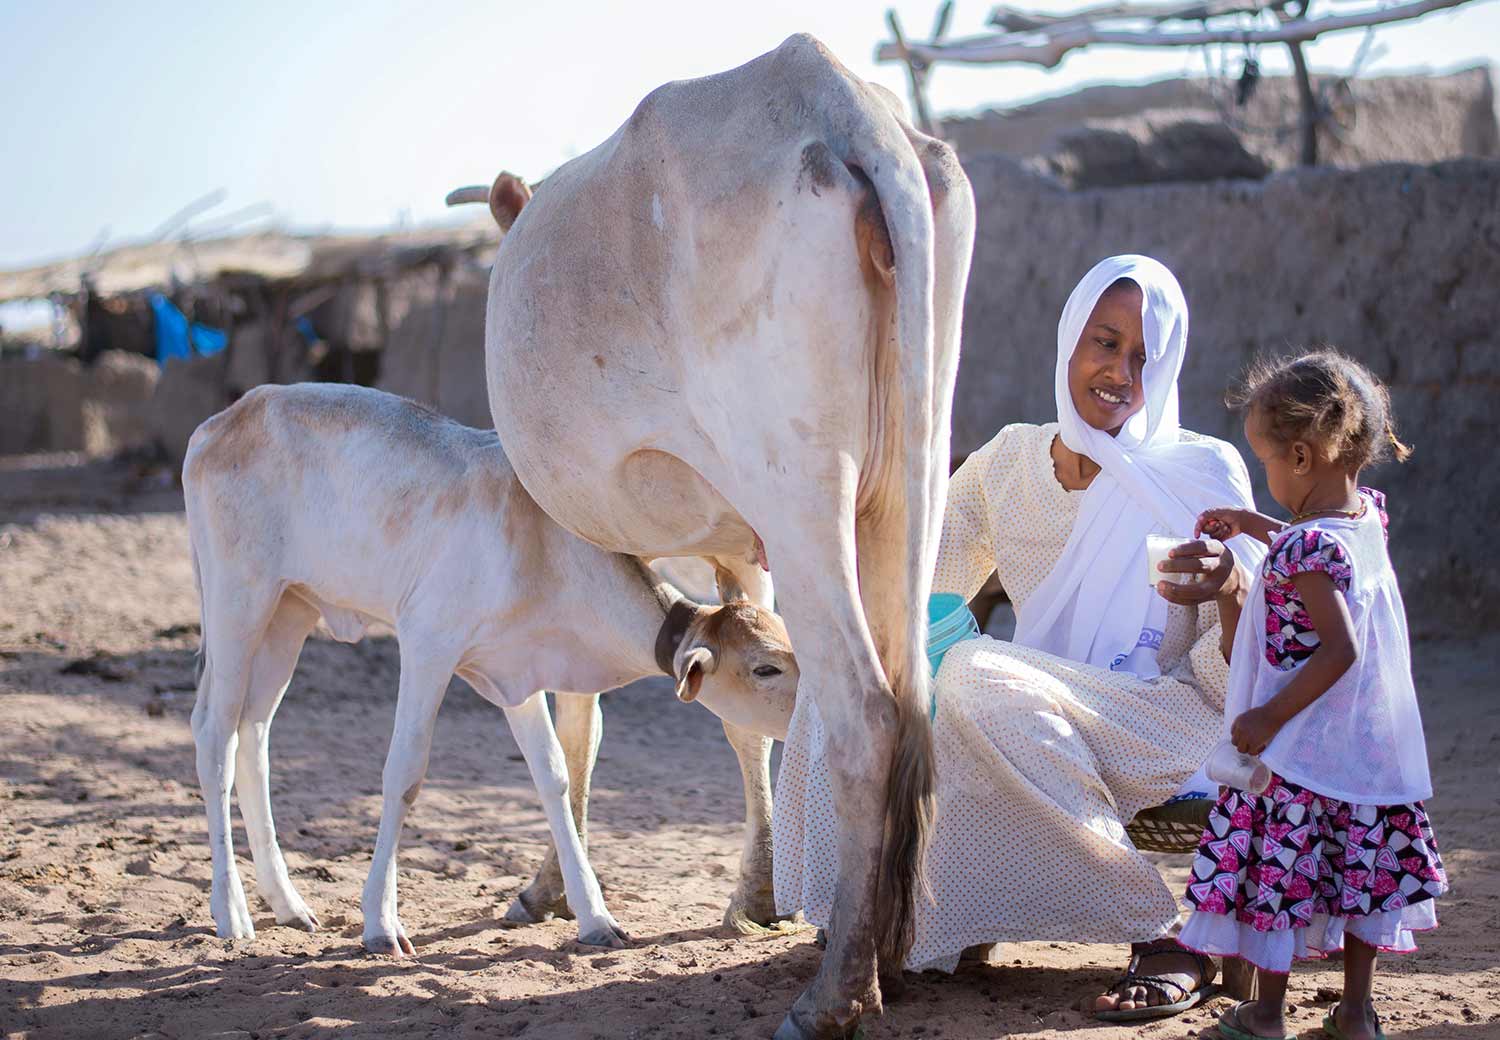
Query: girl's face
{"type": "Point", "coordinates": [1104, 373]}
{"type": "Point", "coordinates": [1289, 467]}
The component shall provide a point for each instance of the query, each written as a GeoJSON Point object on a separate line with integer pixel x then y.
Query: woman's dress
{"type": "Point", "coordinates": [1040, 761]}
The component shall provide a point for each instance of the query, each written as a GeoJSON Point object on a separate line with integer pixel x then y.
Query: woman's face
{"type": "Point", "coordinates": [1104, 373]}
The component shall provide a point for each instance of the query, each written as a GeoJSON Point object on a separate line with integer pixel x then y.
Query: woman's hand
{"type": "Point", "coordinates": [1211, 561]}
{"type": "Point", "coordinates": [1253, 730]}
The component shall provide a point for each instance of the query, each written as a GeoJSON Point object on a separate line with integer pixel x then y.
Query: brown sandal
{"type": "Point", "coordinates": [1186, 998]}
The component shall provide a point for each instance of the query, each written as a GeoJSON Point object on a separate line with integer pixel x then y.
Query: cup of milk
{"type": "Point", "coordinates": [1231, 767]}
{"type": "Point", "coordinates": [1158, 548]}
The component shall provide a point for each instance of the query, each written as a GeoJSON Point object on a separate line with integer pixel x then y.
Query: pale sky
{"type": "Point", "coordinates": [363, 115]}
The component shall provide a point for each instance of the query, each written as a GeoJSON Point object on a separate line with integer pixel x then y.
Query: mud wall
{"type": "Point", "coordinates": [53, 403]}
{"type": "Point", "coordinates": [1191, 129]}
{"type": "Point", "coordinates": [1397, 265]}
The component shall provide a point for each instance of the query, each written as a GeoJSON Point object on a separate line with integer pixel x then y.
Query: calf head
{"type": "Point", "coordinates": [736, 650]}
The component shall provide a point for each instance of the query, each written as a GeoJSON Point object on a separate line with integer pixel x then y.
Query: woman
{"type": "Point", "coordinates": [1111, 695]}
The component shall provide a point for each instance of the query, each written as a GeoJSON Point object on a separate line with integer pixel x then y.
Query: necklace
{"type": "Point", "coordinates": [1347, 514]}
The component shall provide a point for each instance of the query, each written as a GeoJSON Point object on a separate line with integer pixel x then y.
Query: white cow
{"type": "Point", "coordinates": [352, 505]}
{"type": "Point", "coordinates": [731, 331]}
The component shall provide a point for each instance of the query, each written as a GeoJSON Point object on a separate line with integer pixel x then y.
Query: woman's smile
{"type": "Point", "coordinates": [1113, 398]}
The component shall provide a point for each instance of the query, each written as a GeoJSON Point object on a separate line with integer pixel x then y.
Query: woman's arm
{"type": "Point", "coordinates": [1335, 655]}
{"type": "Point", "coordinates": [966, 553]}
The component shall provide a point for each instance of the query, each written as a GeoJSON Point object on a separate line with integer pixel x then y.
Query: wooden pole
{"type": "Point", "coordinates": [917, 79]}
{"type": "Point", "coordinates": [1310, 116]}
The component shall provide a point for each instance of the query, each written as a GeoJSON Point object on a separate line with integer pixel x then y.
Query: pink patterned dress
{"type": "Point", "coordinates": [1289, 873]}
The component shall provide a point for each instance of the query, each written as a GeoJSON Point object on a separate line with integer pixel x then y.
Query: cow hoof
{"type": "Point", "coordinates": [892, 986]}
{"type": "Point", "coordinates": [791, 1029]}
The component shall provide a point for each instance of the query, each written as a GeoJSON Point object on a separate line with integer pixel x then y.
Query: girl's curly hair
{"type": "Point", "coordinates": [1328, 400]}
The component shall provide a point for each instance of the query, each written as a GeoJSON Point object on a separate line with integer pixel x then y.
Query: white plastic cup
{"type": "Point", "coordinates": [1231, 767]}
{"type": "Point", "coordinates": [1158, 548]}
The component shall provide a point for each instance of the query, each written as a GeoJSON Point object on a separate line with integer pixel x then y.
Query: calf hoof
{"type": "Point", "coordinates": [610, 935]}
{"type": "Point", "coordinates": [529, 909]}
{"type": "Point", "coordinates": [746, 923]}
{"type": "Point", "coordinates": [232, 921]}
{"type": "Point", "coordinates": [397, 945]}
{"type": "Point", "coordinates": [235, 930]}
{"type": "Point", "coordinates": [298, 917]}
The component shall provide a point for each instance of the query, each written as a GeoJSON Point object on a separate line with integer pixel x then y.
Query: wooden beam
{"type": "Point", "coordinates": [1048, 49]}
{"type": "Point", "coordinates": [1015, 20]}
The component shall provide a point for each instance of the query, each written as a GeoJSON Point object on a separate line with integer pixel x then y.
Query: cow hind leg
{"type": "Point", "coordinates": [270, 672]}
{"type": "Point", "coordinates": [909, 796]}
{"type": "Point", "coordinates": [842, 675]}
{"type": "Point", "coordinates": [580, 727]}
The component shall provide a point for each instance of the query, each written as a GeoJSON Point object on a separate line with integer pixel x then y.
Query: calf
{"type": "Point", "coordinates": [350, 505]}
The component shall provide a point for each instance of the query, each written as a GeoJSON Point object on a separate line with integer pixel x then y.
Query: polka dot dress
{"type": "Point", "coordinates": [1040, 760]}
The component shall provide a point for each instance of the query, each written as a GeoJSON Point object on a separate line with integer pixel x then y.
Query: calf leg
{"type": "Point", "coordinates": [270, 672]}
{"type": "Point", "coordinates": [425, 672]}
{"type": "Point", "coordinates": [532, 727]}
{"type": "Point", "coordinates": [752, 908]}
{"type": "Point", "coordinates": [230, 640]}
{"type": "Point", "coordinates": [580, 727]}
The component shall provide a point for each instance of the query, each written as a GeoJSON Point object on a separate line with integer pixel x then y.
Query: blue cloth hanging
{"type": "Point", "coordinates": [176, 337]}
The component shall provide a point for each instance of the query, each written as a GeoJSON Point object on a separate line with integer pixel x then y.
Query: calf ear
{"type": "Point", "coordinates": [696, 663]}
{"type": "Point", "coordinates": [730, 590]}
{"type": "Point", "coordinates": [508, 196]}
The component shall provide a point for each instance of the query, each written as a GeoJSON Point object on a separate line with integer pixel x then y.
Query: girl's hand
{"type": "Point", "coordinates": [1253, 730]}
{"type": "Point", "coordinates": [1222, 524]}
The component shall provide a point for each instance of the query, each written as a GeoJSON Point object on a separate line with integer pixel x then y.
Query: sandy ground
{"type": "Point", "coordinates": [104, 923]}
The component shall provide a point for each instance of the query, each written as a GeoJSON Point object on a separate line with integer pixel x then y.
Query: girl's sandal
{"type": "Point", "coordinates": [1230, 1028]}
{"type": "Point", "coordinates": [1332, 1029]}
{"type": "Point", "coordinates": [1186, 998]}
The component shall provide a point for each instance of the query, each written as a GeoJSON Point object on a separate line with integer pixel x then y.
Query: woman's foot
{"type": "Point", "coordinates": [1179, 973]}
{"type": "Point", "coordinates": [1356, 1022]}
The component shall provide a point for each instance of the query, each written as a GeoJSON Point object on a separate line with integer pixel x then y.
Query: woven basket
{"type": "Point", "coordinates": [1174, 827]}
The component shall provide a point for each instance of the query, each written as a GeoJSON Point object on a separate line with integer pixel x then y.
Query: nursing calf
{"type": "Point", "coordinates": [354, 506]}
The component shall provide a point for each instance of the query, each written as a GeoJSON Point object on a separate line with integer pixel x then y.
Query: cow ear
{"type": "Point", "coordinates": [730, 589]}
{"type": "Point", "coordinates": [508, 196]}
{"type": "Point", "coordinates": [696, 663]}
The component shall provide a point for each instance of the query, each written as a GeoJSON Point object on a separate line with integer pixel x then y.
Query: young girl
{"type": "Point", "coordinates": [1338, 852]}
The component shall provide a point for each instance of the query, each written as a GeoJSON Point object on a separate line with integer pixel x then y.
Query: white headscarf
{"type": "Point", "coordinates": [1096, 606]}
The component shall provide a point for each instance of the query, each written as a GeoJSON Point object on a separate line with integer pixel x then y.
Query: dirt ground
{"type": "Point", "coordinates": [104, 875]}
